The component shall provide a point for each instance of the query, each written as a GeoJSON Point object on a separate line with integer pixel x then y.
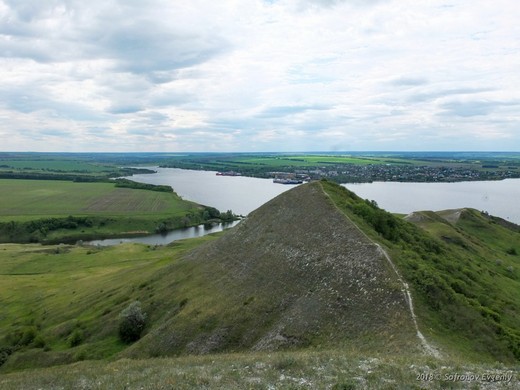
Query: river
{"type": "Point", "coordinates": [237, 193]}
{"type": "Point", "coordinates": [163, 239]}
{"type": "Point", "coordinates": [499, 198]}
{"type": "Point", "coordinates": [244, 194]}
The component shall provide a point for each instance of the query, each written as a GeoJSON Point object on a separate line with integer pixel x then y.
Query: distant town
{"type": "Point", "coordinates": [405, 173]}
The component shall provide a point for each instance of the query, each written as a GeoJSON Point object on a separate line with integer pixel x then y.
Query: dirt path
{"type": "Point", "coordinates": [428, 348]}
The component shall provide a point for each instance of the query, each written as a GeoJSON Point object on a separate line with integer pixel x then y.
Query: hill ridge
{"type": "Point", "coordinates": [427, 347]}
{"type": "Point", "coordinates": [296, 272]}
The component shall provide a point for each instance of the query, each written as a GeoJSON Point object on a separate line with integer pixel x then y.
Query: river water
{"type": "Point", "coordinates": [163, 239]}
{"type": "Point", "coordinates": [244, 194]}
{"type": "Point", "coordinates": [237, 193]}
{"type": "Point", "coordinates": [499, 198]}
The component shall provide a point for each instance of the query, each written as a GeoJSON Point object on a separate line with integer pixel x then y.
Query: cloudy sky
{"type": "Point", "coordinates": [259, 75]}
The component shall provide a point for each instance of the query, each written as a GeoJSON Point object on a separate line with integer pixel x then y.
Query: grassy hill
{"type": "Point", "coordinates": [61, 304]}
{"type": "Point", "coordinates": [301, 284]}
{"type": "Point", "coordinates": [295, 274]}
{"type": "Point", "coordinates": [464, 274]}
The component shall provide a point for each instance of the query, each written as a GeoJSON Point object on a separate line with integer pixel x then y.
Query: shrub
{"type": "Point", "coordinates": [76, 338]}
{"type": "Point", "coordinates": [132, 322]}
{"type": "Point", "coordinates": [39, 342]}
{"type": "Point", "coordinates": [28, 336]}
{"type": "Point", "coordinates": [4, 354]}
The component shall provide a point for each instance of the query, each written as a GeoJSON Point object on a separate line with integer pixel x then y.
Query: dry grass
{"type": "Point", "coordinates": [282, 370]}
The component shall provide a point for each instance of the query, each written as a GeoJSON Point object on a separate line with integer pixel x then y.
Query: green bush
{"type": "Point", "coordinates": [76, 338]}
{"type": "Point", "coordinates": [28, 336]}
{"type": "Point", "coordinates": [39, 342]}
{"type": "Point", "coordinates": [132, 322]}
{"type": "Point", "coordinates": [5, 352]}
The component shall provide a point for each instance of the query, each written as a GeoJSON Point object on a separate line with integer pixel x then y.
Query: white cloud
{"type": "Point", "coordinates": [259, 75]}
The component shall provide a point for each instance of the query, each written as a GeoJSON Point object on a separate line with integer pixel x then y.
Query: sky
{"type": "Point", "coordinates": [259, 75]}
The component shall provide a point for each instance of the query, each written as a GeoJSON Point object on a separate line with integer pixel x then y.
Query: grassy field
{"type": "Point", "coordinates": [51, 293]}
{"type": "Point", "coordinates": [29, 199]}
{"type": "Point", "coordinates": [67, 166]}
{"type": "Point", "coordinates": [304, 160]}
{"type": "Point", "coordinates": [50, 211]}
{"type": "Point", "coordinates": [321, 292]}
{"type": "Point", "coordinates": [60, 165]}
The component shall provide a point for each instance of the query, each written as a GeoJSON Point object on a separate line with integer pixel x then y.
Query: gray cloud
{"type": "Point", "coordinates": [428, 96]}
{"type": "Point", "coordinates": [33, 99]}
{"type": "Point", "coordinates": [409, 81]}
{"type": "Point", "coordinates": [473, 108]}
{"type": "Point", "coordinates": [331, 3]}
{"type": "Point", "coordinates": [124, 109]}
{"type": "Point", "coordinates": [55, 133]}
{"type": "Point", "coordinates": [145, 48]}
{"type": "Point", "coordinates": [282, 111]}
{"type": "Point", "coordinates": [120, 31]}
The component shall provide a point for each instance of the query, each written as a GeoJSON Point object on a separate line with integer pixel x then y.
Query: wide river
{"type": "Point", "coordinates": [244, 194]}
{"type": "Point", "coordinates": [237, 193]}
{"type": "Point", "coordinates": [500, 198]}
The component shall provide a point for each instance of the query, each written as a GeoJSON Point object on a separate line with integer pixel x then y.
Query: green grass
{"type": "Point", "coordinates": [56, 165]}
{"type": "Point", "coordinates": [30, 199]}
{"type": "Point", "coordinates": [40, 210]}
{"type": "Point", "coordinates": [304, 160]}
{"type": "Point", "coordinates": [53, 291]}
{"type": "Point", "coordinates": [60, 304]}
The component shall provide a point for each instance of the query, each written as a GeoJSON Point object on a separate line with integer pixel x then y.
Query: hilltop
{"type": "Point", "coordinates": [296, 273]}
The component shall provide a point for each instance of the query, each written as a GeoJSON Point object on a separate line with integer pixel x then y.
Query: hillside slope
{"type": "Point", "coordinates": [296, 273]}
{"type": "Point", "coordinates": [462, 267]}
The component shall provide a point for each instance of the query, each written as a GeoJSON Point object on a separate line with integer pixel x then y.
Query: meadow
{"type": "Point", "coordinates": [303, 160]}
{"type": "Point", "coordinates": [58, 165]}
{"type": "Point", "coordinates": [86, 167]}
{"type": "Point", "coordinates": [62, 305]}
{"type": "Point", "coordinates": [29, 199]}
{"type": "Point", "coordinates": [54, 211]}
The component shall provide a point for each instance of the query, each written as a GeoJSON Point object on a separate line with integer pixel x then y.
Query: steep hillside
{"type": "Point", "coordinates": [462, 266]}
{"type": "Point", "coordinates": [485, 270]}
{"type": "Point", "coordinates": [296, 273]}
